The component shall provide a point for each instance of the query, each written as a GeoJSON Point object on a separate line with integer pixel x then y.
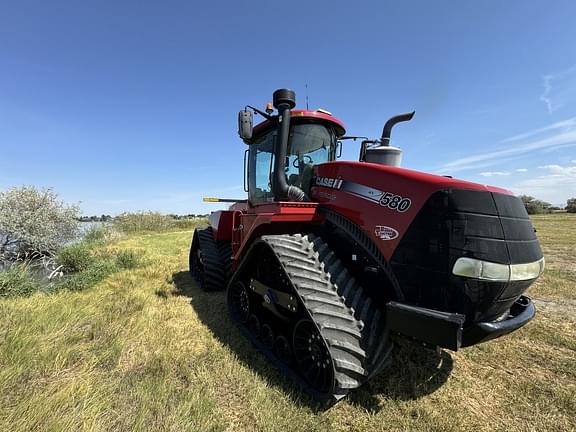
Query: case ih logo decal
{"type": "Point", "coordinates": [328, 182]}
{"type": "Point", "coordinates": [385, 232]}
{"type": "Point", "coordinates": [385, 199]}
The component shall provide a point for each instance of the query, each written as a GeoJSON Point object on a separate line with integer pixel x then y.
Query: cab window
{"type": "Point", "coordinates": [309, 144]}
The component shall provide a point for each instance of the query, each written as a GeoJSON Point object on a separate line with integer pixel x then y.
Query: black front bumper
{"type": "Point", "coordinates": [522, 311]}
{"type": "Point", "coordinates": [447, 330]}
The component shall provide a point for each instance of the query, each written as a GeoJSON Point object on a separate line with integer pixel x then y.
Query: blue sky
{"type": "Point", "coordinates": [132, 105]}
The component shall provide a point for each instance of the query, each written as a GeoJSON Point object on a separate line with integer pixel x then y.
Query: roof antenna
{"type": "Point", "coordinates": [306, 97]}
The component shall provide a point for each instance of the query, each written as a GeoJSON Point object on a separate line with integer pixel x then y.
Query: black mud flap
{"type": "Point", "coordinates": [432, 327]}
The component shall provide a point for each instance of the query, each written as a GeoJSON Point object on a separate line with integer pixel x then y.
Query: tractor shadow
{"type": "Point", "coordinates": [414, 372]}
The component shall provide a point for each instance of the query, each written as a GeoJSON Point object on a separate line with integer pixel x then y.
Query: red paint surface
{"type": "Point", "coordinates": [368, 215]}
{"type": "Point", "coordinates": [243, 222]}
{"type": "Point", "coordinates": [296, 114]}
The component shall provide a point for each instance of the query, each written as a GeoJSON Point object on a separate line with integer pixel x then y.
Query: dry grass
{"type": "Point", "coordinates": [147, 350]}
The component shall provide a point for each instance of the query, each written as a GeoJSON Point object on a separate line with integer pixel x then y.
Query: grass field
{"type": "Point", "coordinates": [147, 350]}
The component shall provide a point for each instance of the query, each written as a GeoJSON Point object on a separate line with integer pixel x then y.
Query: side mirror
{"type": "Point", "coordinates": [338, 149]}
{"type": "Point", "coordinates": [245, 125]}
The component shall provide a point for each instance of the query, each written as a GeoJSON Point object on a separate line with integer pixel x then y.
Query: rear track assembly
{"type": "Point", "coordinates": [210, 261]}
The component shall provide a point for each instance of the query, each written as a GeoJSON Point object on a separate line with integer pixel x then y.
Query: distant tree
{"type": "Point", "coordinates": [534, 206]}
{"type": "Point", "coordinates": [571, 205]}
{"type": "Point", "coordinates": [35, 220]}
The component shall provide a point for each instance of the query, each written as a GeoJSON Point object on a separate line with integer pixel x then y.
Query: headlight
{"type": "Point", "coordinates": [485, 270]}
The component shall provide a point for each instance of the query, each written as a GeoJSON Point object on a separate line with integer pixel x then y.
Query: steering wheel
{"type": "Point", "coordinates": [296, 162]}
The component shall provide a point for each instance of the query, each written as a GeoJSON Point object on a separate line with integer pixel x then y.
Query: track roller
{"type": "Point", "coordinates": [282, 350]}
{"type": "Point", "coordinates": [254, 325]}
{"type": "Point", "coordinates": [267, 335]}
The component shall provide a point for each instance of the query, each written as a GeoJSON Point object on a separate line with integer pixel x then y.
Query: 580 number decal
{"type": "Point", "coordinates": [395, 202]}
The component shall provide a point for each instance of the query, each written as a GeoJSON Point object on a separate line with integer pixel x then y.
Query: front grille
{"type": "Point", "coordinates": [464, 223]}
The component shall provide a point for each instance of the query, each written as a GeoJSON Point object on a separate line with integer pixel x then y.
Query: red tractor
{"type": "Point", "coordinates": [328, 261]}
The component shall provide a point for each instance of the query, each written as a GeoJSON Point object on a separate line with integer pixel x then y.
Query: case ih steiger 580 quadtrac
{"type": "Point", "coordinates": [327, 261]}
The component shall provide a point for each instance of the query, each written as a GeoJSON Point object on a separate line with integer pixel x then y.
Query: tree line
{"type": "Point", "coordinates": [108, 218]}
{"type": "Point", "coordinates": [536, 206]}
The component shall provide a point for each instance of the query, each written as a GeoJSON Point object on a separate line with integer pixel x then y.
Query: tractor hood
{"type": "Point", "coordinates": [454, 245]}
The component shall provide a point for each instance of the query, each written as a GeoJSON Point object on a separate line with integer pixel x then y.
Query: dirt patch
{"type": "Point", "coordinates": [565, 306]}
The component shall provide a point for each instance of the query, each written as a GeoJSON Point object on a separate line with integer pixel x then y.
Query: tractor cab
{"type": "Point", "coordinates": [284, 149]}
{"type": "Point", "coordinates": [310, 142]}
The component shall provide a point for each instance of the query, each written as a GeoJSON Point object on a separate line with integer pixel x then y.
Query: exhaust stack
{"type": "Point", "coordinates": [381, 152]}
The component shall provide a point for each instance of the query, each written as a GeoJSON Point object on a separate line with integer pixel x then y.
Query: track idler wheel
{"type": "Point", "coordinates": [312, 356]}
{"type": "Point", "coordinates": [239, 302]}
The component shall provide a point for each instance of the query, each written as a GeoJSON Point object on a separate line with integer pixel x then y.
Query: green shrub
{"type": "Point", "coordinates": [17, 281]}
{"type": "Point", "coordinates": [98, 267]}
{"type": "Point", "coordinates": [97, 270]}
{"type": "Point", "coordinates": [95, 234]}
{"type": "Point", "coordinates": [74, 258]}
{"type": "Point", "coordinates": [101, 234]}
{"type": "Point", "coordinates": [37, 219]}
{"type": "Point", "coordinates": [127, 259]}
{"type": "Point", "coordinates": [190, 223]}
{"type": "Point", "coordinates": [143, 221]}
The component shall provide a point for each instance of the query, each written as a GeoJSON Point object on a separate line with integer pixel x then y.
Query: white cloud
{"type": "Point", "coordinates": [559, 88]}
{"type": "Point", "coordinates": [565, 125]}
{"type": "Point", "coordinates": [494, 173]}
{"type": "Point", "coordinates": [555, 187]}
{"type": "Point", "coordinates": [490, 158]}
{"type": "Point", "coordinates": [521, 169]}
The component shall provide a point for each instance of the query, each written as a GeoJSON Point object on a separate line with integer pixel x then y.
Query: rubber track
{"type": "Point", "coordinates": [215, 269]}
{"type": "Point", "coordinates": [352, 327]}
{"type": "Point", "coordinates": [225, 252]}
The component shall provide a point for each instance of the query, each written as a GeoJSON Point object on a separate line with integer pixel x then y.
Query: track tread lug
{"type": "Point", "coordinates": [216, 265]}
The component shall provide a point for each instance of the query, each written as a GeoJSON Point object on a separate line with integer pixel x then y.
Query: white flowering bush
{"type": "Point", "coordinates": [34, 220]}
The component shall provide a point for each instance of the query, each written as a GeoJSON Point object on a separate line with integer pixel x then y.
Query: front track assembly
{"type": "Point", "coordinates": [299, 304]}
